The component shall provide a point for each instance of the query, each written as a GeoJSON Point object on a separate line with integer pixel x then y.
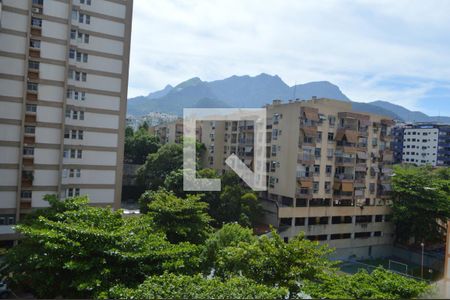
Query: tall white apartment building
{"type": "Point", "coordinates": [420, 145]}
{"type": "Point", "coordinates": [63, 86]}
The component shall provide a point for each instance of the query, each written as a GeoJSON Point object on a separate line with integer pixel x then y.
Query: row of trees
{"type": "Point", "coordinates": [162, 174]}
{"type": "Point", "coordinates": [421, 203]}
{"type": "Point", "coordinates": [73, 250]}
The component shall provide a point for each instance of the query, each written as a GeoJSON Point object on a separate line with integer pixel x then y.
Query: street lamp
{"type": "Point", "coordinates": [421, 266]}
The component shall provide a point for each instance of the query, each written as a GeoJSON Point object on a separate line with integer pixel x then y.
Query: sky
{"type": "Point", "coordinates": [398, 51]}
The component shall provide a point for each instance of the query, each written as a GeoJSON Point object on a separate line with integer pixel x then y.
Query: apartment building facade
{"type": "Point", "coordinates": [329, 175]}
{"type": "Point", "coordinates": [224, 138]}
{"type": "Point", "coordinates": [63, 86]}
{"type": "Point", "coordinates": [172, 132]}
{"type": "Point", "coordinates": [328, 172]}
{"type": "Point", "coordinates": [422, 144]}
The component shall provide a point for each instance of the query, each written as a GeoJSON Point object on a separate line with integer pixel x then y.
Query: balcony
{"type": "Point", "coordinates": [28, 140]}
{"type": "Point", "coordinates": [30, 118]}
{"type": "Point", "coordinates": [27, 178]}
{"type": "Point", "coordinates": [28, 161]}
{"type": "Point", "coordinates": [345, 161]}
{"type": "Point", "coordinates": [35, 49]}
{"type": "Point", "coordinates": [25, 203]}
{"type": "Point", "coordinates": [363, 132]}
{"type": "Point", "coordinates": [307, 159]}
{"type": "Point", "coordinates": [304, 192]}
{"type": "Point", "coordinates": [344, 176]}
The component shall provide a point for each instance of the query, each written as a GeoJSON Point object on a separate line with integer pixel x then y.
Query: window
{"type": "Point", "coordinates": [315, 187]}
{"type": "Point", "coordinates": [372, 188]}
{"type": "Point", "coordinates": [72, 153]}
{"type": "Point", "coordinates": [331, 121]}
{"type": "Point", "coordinates": [34, 65]}
{"type": "Point", "coordinates": [299, 221]}
{"type": "Point", "coordinates": [83, 96]}
{"type": "Point", "coordinates": [80, 134]}
{"type": "Point", "coordinates": [317, 169]}
{"type": "Point", "coordinates": [317, 152]}
{"type": "Point", "coordinates": [330, 136]}
{"type": "Point", "coordinates": [38, 2]}
{"type": "Point", "coordinates": [74, 14]}
{"type": "Point", "coordinates": [28, 151]}
{"type": "Point", "coordinates": [36, 22]}
{"type": "Point", "coordinates": [328, 169]}
{"type": "Point", "coordinates": [81, 115]}
{"type": "Point", "coordinates": [32, 86]}
{"type": "Point", "coordinates": [30, 129]}
{"type": "Point", "coordinates": [72, 53]}
{"type": "Point", "coordinates": [74, 115]}
{"type": "Point", "coordinates": [26, 194]}
{"type": "Point", "coordinates": [86, 19]}
{"type": "Point", "coordinates": [71, 173]}
{"type": "Point", "coordinates": [31, 108]}
{"type": "Point", "coordinates": [83, 76]}
{"type": "Point", "coordinates": [73, 34]}
{"type": "Point", "coordinates": [79, 153]}
{"type": "Point", "coordinates": [73, 134]}
{"type": "Point", "coordinates": [85, 57]}
{"type": "Point", "coordinates": [274, 150]}
{"type": "Point", "coordinates": [36, 44]}
{"type": "Point", "coordinates": [86, 38]}
{"type": "Point", "coordinates": [330, 153]}
{"type": "Point", "coordinates": [67, 113]}
{"type": "Point", "coordinates": [78, 173]}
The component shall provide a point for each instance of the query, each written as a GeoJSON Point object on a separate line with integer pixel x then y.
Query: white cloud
{"type": "Point", "coordinates": [355, 44]}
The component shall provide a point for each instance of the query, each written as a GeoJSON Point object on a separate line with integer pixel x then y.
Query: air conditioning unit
{"type": "Point", "coordinates": [36, 10]}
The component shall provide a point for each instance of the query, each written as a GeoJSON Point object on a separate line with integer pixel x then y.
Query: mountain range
{"type": "Point", "coordinates": [247, 91]}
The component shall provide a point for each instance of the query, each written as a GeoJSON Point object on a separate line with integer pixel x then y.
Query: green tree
{"type": "Point", "coordinates": [271, 261]}
{"type": "Point", "coordinates": [174, 183]}
{"type": "Point", "coordinates": [170, 286]}
{"type": "Point", "coordinates": [180, 219]}
{"type": "Point", "coordinates": [380, 284]}
{"type": "Point", "coordinates": [237, 204]}
{"type": "Point", "coordinates": [230, 235]}
{"type": "Point", "coordinates": [421, 203]}
{"type": "Point", "coordinates": [74, 250]}
{"type": "Point", "coordinates": [158, 166]}
{"type": "Point", "coordinates": [129, 131]}
{"type": "Point", "coordinates": [139, 145]}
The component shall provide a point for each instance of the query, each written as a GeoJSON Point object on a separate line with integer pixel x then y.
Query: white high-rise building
{"type": "Point", "coordinates": [63, 87]}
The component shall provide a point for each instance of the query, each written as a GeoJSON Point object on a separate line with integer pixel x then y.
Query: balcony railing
{"type": "Point", "coordinates": [345, 160]}
{"type": "Point", "coordinates": [344, 176]}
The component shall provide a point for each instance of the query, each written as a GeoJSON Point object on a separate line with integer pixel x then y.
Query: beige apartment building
{"type": "Point", "coordinates": [63, 87]}
{"type": "Point", "coordinates": [328, 172]}
{"type": "Point", "coordinates": [171, 132]}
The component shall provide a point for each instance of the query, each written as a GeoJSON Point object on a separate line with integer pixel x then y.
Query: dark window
{"type": "Point", "coordinates": [285, 221]}
{"type": "Point", "coordinates": [299, 221]}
